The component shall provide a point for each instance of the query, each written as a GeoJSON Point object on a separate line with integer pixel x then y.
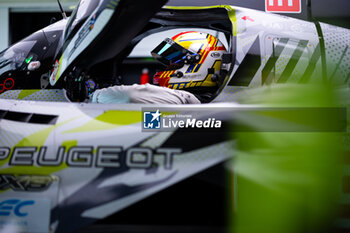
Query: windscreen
{"type": "Point", "coordinates": [17, 56]}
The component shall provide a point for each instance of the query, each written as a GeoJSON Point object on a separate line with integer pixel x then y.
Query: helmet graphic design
{"type": "Point", "coordinates": [192, 59]}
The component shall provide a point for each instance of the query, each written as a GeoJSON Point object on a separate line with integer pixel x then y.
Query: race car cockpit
{"type": "Point", "coordinates": [97, 55]}
{"type": "Point", "coordinates": [95, 47]}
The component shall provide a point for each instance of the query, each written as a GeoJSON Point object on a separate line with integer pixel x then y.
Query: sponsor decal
{"type": "Point", "coordinates": [83, 33]}
{"type": "Point", "coordinates": [80, 156]}
{"type": "Point", "coordinates": [29, 183]}
{"type": "Point", "coordinates": [24, 214]}
{"type": "Point", "coordinates": [55, 69]}
{"type": "Point", "coordinates": [92, 22]}
{"type": "Point", "coordinates": [283, 6]}
{"type": "Point", "coordinates": [215, 55]}
{"type": "Point", "coordinates": [14, 207]}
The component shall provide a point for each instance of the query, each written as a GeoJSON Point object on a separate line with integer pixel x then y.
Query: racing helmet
{"type": "Point", "coordinates": [192, 60]}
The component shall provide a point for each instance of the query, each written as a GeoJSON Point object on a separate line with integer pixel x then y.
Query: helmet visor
{"type": "Point", "coordinates": [170, 53]}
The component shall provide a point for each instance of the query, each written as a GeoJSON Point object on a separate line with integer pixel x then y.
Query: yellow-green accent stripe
{"type": "Point", "coordinates": [37, 139]}
{"type": "Point", "coordinates": [25, 93]}
{"type": "Point", "coordinates": [109, 120]}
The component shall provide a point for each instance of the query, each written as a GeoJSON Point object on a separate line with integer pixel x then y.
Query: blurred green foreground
{"type": "Point", "coordinates": [288, 180]}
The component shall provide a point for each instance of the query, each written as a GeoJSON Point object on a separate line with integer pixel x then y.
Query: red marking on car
{"type": "Point", "coordinates": [248, 18]}
{"type": "Point", "coordinates": [55, 70]}
{"type": "Point", "coordinates": [9, 83]}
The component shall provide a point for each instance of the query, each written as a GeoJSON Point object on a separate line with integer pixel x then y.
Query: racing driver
{"type": "Point", "coordinates": [193, 63]}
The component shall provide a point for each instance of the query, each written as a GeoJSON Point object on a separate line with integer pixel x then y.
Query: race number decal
{"type": "Point", "coordinates": [283, 6]}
